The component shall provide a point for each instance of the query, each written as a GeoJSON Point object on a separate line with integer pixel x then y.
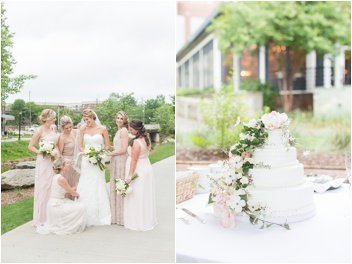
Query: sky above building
{"type": "Point", "coordinates": [86, 50]}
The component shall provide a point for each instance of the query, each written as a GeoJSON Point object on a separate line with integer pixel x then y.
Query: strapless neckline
{"type": "Point", "coordinates": [93, 135]}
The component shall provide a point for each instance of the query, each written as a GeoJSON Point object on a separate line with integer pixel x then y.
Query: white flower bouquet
{"type": "Point", "coordinates": [122, 187]}
{"type": "Point", "coordinates": [47, 148]}
{"type": "Point", "coordinates": [96, 156]}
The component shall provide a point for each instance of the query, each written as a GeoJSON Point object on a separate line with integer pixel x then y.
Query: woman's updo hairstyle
{"type": "Point", "coordinates": [124, 117]}
{"type": "Point", "coordinates": [139, 126]}
{"type": "Point", "coordinates": [65, 120]}
{"type": "Point", "coordinates": [58, 164]}
{"type": "Point", "coordinates": [89, 113]}
{"type": "Point", "coordinates": [45, 115]}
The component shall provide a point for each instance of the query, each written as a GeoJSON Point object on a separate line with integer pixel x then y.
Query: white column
{"type": "Point", "coordinates": [339, 68]}
{"type": "Point", "coordinates": [236, 72]}
{"type": "Point", "coordinates": [262, 64]}
{"type": "Point", "coordinates": [201, 69]}
{"type": "Point", "coordinates": [327, 71]}
{"type": "Point", "coordinates": [311, 64]}
{"type": "Point", "coordinates": [216, 64]}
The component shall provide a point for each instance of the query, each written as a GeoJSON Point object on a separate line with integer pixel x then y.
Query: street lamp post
{"type": "Point", "coordinates": [19, 126]}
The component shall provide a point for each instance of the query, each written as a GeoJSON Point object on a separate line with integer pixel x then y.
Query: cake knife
{"type": "Point", "coordinates": [194, 215]}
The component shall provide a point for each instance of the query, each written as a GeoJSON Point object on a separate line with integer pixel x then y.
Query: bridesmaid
{"type": "Point", "coordinates": [139, 206]}
{"type": "Point", "coordinates": [118, 163]}
{"type": "Point", "coordinates": [64, 216]}
{"type": "Point", "coordinates": [43, 165]}
{"type": "Point", "coordinates": [66, 145]}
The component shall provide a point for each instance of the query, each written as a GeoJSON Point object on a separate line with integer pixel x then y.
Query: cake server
{"type": "Point", "coordinates": [194, 215]}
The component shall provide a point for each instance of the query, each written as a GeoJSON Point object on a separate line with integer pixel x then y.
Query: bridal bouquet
{"type": "Point", "coordinates": [96, 156]}
{"type": "Point", "coordinates": [122, 187]}
{"type": "Point", "coordinates": [47, 148]}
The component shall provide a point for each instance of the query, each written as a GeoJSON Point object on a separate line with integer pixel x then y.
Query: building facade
{"type": "Point", "coordinates": [200, 64]}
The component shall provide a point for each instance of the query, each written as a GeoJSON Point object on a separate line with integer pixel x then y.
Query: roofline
{"type": "Point", "coordinates": [198, 33]}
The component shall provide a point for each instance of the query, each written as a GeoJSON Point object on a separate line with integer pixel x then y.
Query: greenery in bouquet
{"type": "Point", "coordinates": [96, 156]}
{"type": "Point", "coordinates": [122, 187]}
{"type": "Point", "coordinates": [230, 190]}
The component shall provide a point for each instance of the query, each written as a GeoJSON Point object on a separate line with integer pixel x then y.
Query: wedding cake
{"type": "Point", "coordinates": [278, 181]}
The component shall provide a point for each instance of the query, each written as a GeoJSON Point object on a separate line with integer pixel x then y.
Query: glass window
{"type": "Point", "coordinates": [249, 64]}
{"type": "Point", "coordinates": [208, 65]}
{"type": "Point", "coordinates": [186, 80]}
{"type": "Point", "coordinates": [226, 67]}
{"type": "Point", "coordinates": [279, 63]}
{"type": "Point", "coordinates": [179, 76]}
{"type": "Point", "coordinates": [196, 83]}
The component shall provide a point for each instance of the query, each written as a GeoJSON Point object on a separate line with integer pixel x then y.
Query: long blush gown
{"type": "Point", "coordinates": [42, 181]}
{"type": "Point", "coordinates": [71, 175]}
{"type": "Point", "coordinates": [118, 164]}
{"type": "Point", "coordinates": [139, 206]}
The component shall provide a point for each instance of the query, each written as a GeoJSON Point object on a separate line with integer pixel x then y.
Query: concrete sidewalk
{"type": "Point", "coordinates": [107, 243]}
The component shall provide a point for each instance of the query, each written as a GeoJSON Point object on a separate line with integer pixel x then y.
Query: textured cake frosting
{"type": "Point", "coordinates": [279, 183]}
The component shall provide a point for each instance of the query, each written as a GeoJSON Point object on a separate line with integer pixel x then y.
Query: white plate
{"type": "Point", "coordinates": [324, 183]}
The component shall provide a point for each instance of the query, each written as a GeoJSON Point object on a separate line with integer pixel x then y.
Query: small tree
{"type": "Point", "coordinates": [299, 26]}
{"type": "Point", "coordinates": [165, 117]}
{"type": "Point", "coordinates": [18, 106]}
{"type": "Point", "coordinates": [220, 116]}
{"type": "Point", "coordinates": [150, 107]}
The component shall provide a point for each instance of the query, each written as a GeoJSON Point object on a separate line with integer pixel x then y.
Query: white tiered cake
{"type": "Point", "coordinates": [282, 188]}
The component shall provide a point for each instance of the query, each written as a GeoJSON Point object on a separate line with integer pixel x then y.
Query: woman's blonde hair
{"type": "Point", "coordinates": [64, 120]}
{"type": "Point", "coordinates": [46, 114]}
{"type": "Point", "coordinates": [58, 164]}
{"type": "Point", "coordinates": [89, 113]}
{"type": "Point", "coordinates": [124, 117]}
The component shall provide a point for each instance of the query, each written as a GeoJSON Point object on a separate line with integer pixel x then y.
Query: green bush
{"type": "Point", "coordinates": [201, 140]}
{"type": "Point", "coordinates": [341, 139]}
{"type": "Point", "coordinates": [268, 90]}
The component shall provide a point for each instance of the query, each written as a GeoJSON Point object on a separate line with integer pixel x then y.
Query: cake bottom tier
{"type": "Point", "coordinates": [291, 204]}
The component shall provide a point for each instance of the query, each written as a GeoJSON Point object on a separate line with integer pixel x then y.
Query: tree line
{"type": "Point", "coordinates": [152, 111]}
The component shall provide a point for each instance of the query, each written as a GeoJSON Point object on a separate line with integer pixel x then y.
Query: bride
{"type": "Point", "coordinates": [91, 186]}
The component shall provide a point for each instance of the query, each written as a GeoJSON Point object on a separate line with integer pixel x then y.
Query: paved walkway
{"type": "Point", "coordinates": [107, 243]}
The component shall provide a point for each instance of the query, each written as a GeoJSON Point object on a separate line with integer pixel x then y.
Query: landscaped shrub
{"type": "Point", "coordinates": [220, 115]}
{"type": "Point", "coordinates": [201, 139]}
{"type": "Point", "coordinates": [268, 90]}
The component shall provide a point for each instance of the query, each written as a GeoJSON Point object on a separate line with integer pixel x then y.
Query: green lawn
{"type": "Point", "coordinates": [17, 214]}
{"type": "Point", "coordinates": [14, 215]}
{"type": "Point", "coordinates": [15, 150]}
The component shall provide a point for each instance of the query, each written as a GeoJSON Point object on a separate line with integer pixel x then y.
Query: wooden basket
{"type": "Point", "coordinates": [186, 186]}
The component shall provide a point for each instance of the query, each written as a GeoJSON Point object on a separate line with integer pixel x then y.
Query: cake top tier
{"type": "Point", "coordinates": [277, 125]}
{"type": "Point", "coordinates": [275, 120]}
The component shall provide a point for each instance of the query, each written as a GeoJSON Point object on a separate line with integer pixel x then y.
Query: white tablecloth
{"type": "Point", "coordinates": [326, 237]}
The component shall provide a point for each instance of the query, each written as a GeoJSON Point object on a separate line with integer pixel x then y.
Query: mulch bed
{"type": "Point", "coordinates": [312, 160]}
{"type": "Point", "coordinates": [14, 196]}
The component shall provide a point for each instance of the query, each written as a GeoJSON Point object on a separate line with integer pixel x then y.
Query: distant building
{"type": "Point", "coordinates": [76, 107]}
{"type": "Point", "coordinates": [200, 64]}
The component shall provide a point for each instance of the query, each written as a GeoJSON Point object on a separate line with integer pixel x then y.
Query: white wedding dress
{"type": "Point", "coordinates": [92, 188]}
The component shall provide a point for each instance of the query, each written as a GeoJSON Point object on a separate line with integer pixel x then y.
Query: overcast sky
{"type": "Point", "coordinates": [85, 50]}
